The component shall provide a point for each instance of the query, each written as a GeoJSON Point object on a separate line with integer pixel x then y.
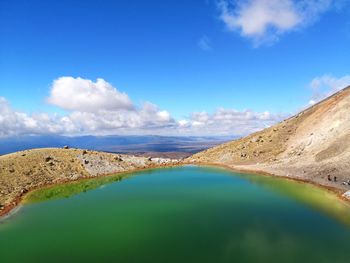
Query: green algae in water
{"type": "Point", "coordinates": [69, 189]}
{"type": "Point", "coordinates": [184, 214]}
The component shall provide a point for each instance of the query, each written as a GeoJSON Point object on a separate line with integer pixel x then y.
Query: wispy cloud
{"type": "Point", "coordinates": [204, 43]}
{"type": "Point", "coordinates": [264, 21]}
{"type": "Point", "coordinates": [327, 85]}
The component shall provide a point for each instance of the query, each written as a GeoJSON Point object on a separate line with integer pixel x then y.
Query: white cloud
{"type": "Point", "coordinates": [18, 123]}
{"type": "Point", "coordinates": [327, 85]}
{"type": "Point", "coordinates": [265, 20]}
{"type": "Point", "coordinates": [229, 122]}
{"type": "Point", "coordinates": [146, 120]}
{"type": "Point", "coordinates": [89, 119]}
{"type": "Point", "coordinates": [204, 43]}
{"type": "Point", "coordinates": [85, 95]}
{"type": "Point", "coordinates": [95, 108]}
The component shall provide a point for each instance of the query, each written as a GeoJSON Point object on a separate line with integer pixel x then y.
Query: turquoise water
{"type": "Point", "coordinates": [183, 214]}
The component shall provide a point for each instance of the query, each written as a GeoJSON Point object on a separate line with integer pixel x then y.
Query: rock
{"type": "Point", "coordinates": [117, 158]}
{"type": "Point", "coordinates": [346, 183]}
{"type": "Point", "coordinates": [11, 170]}
{"type": "Point", "coordinates": [47, 159]}
{"type": "Point", "coordinates": [65, 147]}
{"type": "Point", "coordinates": [86, 161]}
{"type": "Point", "coordinates": [23, 191]}
{"type": "Point", "coordinates": [84, 152]}
{"type": "Point", "coordinates": [347, 194]}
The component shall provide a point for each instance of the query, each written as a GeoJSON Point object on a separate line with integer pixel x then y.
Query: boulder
{"type": "Point", "coordinates": [48, 159]}
{"type": "Point", "coordinates": [347, 194]}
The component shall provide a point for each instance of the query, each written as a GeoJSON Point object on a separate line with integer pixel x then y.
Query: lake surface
{"type": "Point", "coordinates": [183, 214]}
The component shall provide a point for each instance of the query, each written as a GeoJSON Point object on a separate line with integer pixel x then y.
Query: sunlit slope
{"type": "Point", "coordinates": [314, 144]}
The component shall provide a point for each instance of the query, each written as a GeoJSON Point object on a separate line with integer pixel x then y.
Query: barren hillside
{"type": "Point", "coordinates": [26, 170]}
{"type": "Point", "coordinates": [313, 145]}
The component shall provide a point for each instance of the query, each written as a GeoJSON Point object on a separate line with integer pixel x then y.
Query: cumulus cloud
{"type": "Point", "coordinates": [327, 85]}
{"type": "Point", "coordinates": [18, 123]}
{"type": "Point", "coordinates": [95, 108]}
{"type": "Point", "coordinates": [92, 117]}
{"type": "Point", "coordinates": [265, 20]}
{"type": "Point", "coordinates": [148, 119]}
{"type": "Point", "coordinates": [85, 95]}
{"type": "Point", "coordinates": [229, 122]}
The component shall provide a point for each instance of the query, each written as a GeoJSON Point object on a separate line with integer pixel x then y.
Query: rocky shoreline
{"type": "Point", "coordinates": [94, 164]}
{"type": "Point", "coordinates": [338, 189]}
{"type": "Point", "coordinates": [311, 146]}
{"type": "Point", "coordinates": [29, 170]}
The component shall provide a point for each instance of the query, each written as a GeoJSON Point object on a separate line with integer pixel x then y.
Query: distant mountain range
{"type": "Point", "coordinates": [117, 144]}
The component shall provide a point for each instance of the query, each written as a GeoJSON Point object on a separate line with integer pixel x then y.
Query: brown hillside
{"type": "Point", "coordinates": [312, 145]}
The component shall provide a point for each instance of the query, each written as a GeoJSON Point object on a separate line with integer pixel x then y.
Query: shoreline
{"type": "Point", "coordinates": [18, 200]}
{"type": "Point", "coordinates": [6, 211]}
{"type": "Point", "coordinates": [337, 191]}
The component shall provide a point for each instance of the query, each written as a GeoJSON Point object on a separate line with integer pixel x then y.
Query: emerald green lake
{"type": "Point", "coordinates": [182, 214]}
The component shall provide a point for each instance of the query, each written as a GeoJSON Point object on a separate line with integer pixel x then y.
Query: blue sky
{"type": "Point", "coordinates": [185, 57]}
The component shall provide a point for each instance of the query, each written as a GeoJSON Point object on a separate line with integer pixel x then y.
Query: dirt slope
{"type": "Point", "coordinates": [26, 170]}
{"type": "Point", "coordinates": [313, 145]}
